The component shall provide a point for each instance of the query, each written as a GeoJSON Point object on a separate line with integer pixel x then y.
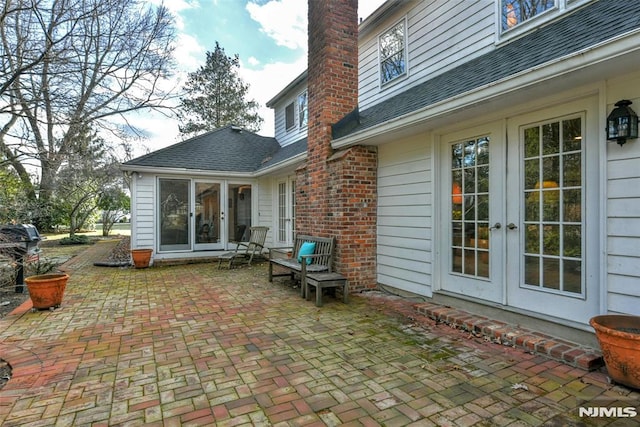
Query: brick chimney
{"type": "Point", "coordinates": [336, 191]}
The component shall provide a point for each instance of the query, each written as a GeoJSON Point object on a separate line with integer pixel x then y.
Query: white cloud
{"type": "Point", "coordinates": [189, 53]}
{"type": "Point", "coordinates": [285, 21]}
{"type": "Point", "coordinates": [267, 82]}
{"type": "Point", "coordinates": [175, 7]}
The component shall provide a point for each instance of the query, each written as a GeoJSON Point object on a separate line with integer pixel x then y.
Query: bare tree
{"type": "Point", "coordinates": [69, 64]}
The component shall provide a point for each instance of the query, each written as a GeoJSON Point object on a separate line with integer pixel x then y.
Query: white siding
{"type": "Point", "coordinates": [623, 209]}
{"type": "Point", "coordinates": [282, 135]}
{"type": "Point", "coordinates": [265, 207]}
{"type": "Point", "coordinates": [441, 35]}
{"type": "Point", "coordinates": [405, 216]}
{"type": "Point", "coordinates": [143, 209]}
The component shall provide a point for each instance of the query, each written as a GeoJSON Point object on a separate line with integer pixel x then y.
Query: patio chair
{"type": "Point", "coordinates": [246, 251]}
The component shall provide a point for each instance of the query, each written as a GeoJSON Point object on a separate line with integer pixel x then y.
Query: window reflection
{"type": "Point", "coordinates": [470, 207]}
{"type": "Point", "coordinates": [552, 170]}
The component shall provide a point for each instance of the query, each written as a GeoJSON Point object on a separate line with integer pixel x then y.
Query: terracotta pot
{"type": "Point", "coordinates": [141, 257]}
{"type": "Point", "coordinates": [619, 339]}
{"type": "Point", "coordinates": [46, 290]}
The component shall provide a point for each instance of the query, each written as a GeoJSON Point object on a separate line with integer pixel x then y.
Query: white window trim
{"type": "Point", "coordinates": [293, 125]}
{"type": "Point", "coordinates": [404, 75]}
{"type": "Point", "coordinates": [561, 7]}
{"type": "Point", "coordinates": [297, 108]}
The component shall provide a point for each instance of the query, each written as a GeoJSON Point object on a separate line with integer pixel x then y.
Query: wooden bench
{"type": "Point", "coordinates": [321, 259]}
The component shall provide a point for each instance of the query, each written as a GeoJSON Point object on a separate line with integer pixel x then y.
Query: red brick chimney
{"type": "Point", "coordinates": [336, 192]}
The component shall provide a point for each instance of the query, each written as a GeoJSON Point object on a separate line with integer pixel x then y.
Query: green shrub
{"type": "Point", "coordinates": [78, 239]}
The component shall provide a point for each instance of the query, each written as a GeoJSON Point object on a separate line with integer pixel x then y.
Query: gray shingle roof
{"type": "Point", "coordinates": [226, 149]}
{"type": "Point", "coordinates": [286, 152]}
{"type": "Point", "coordinates": [588, 26]}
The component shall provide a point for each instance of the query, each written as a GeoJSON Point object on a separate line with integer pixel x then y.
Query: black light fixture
{"type": "Point", "coordinates": [622, 123]}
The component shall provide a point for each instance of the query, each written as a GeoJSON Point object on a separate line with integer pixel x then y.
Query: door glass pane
{"type": "Point", "coordinates": [238, 212]}
{"type": "Point", "coordinates": [174, 214]}
{"type": "Point", "coordinates": [282, 212]}
{"type": "Point", "coordinates": [469, 203]}
{"type": "Point", "coordinates": [553, 206]}
{"type": "Point", "coordinates": [293, 209]}
{"type": "Point", "coordinates": [207, 212]}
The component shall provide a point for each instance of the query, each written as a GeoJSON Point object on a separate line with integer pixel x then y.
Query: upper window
{"type": "Point", "coordinates": [393, 53]}
{"type": "Point", "coordinates": [515, 12]}
{"type": "Point", "coordinates": [289, 116]}
{"type": "Point", "coordinates": [303, 110]}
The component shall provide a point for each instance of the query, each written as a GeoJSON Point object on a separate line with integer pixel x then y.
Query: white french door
{"type": "Point", "coordinates": [553, 204]}
{"type": "Point", "coordinates": [286, 211]}
{"type": "Point", "coordinates": [520, 213]}
{"type": "Point", "coordinates": [472, 209]}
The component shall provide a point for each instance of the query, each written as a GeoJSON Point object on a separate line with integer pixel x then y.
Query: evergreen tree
{"type": "Point", "coordinates": [215, 97]}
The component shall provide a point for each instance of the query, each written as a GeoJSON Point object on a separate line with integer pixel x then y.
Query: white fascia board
{"type": "Point", "coordinates": [184, 171]}
{"type": "Point", "coordinates": [607, 51]}
{"type": "Point", "coordinates": [290, 162]}
{"type": "Point", "coordinates": [293, 161]}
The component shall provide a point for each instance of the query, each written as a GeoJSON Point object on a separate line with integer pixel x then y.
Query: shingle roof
{"type": "Point", "coordinates": [227, 149]}
{"type": "Point", "coordinates": [286, 152]}
{"type": "Point", "coordinates": [588, 26]}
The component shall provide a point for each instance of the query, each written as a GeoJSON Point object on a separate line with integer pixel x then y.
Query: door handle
{"type": "Point", "coordinates": [511, 226]}
{"type": "Point", "coordinates": [496, 226]}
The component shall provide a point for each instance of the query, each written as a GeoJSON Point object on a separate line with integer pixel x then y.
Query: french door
{"type": "Point", "coordinates": [472, 209]}
{"type": "Point", "coordinates": [554, 203]}
{"type": "Point", "coordinates": [522, 216]}
{"type": "Point", "coordinates": [286, 211]}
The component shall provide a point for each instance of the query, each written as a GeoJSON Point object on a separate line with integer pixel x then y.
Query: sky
{"type": "Point", "coordinates": [270, 37]}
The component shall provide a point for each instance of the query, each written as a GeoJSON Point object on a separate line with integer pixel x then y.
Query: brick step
{"type": "Point", "coordinates": [531, 341]}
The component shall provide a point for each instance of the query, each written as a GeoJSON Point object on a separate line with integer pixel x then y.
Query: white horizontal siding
{"type": "Point", "coordinates": [441, 35]}
{"type": "Point", "coordinates": [404, 252]}
{"type": "Point", "coordinates": [282, 135]}
{"type": "Point", "coordinates": [265, 208]}
{"type": "Point", "coordinates": [144, 212]}
{"type": "Point", "coordinates": [623, 210]}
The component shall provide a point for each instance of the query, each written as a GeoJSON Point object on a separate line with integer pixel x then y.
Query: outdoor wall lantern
{"type": "Point", "coordinates": [622, 123]}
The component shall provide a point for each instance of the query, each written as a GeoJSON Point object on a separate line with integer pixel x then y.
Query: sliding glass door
{"type": "Point", "coordinates": [174, 214]}
{"type": "Point", "coordinates": [201, 215]}
{"type": "Point", "coordinates": [209, 215]}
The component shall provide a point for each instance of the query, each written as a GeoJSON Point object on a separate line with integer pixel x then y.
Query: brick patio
{"type": "Point", "coordinates": [194, 345]}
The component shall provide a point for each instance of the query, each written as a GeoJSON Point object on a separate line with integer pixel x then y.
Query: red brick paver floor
{"type": "Point", "coordinates": [196, 346]}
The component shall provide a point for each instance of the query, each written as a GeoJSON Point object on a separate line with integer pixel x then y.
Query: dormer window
{"type": "Point", "coordinates": [303, 110]}
{"type": "Point", "coordinates": [290, 116]}
{"type": "Point", "coordinates": [393, 53]}
{"type": "Point", "coordinates": [515, 12]}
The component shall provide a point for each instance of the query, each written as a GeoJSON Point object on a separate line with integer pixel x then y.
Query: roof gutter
{"type": "Point", "coordinates": [184, 171]}
{"type": "Point", "coordinates": [608, 50]}
{"type": "Point", "coordinates": [290, 162]}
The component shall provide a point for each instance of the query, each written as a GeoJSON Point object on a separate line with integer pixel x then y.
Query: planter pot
{"type": "Point", "coordinates": [619, 339]}
{"type": "Point", "coordinates": [141, 257]}
{"type": "Point", "coordinates": [46, 290]}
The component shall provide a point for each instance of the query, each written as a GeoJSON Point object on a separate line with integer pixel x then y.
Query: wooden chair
{"type": "Point", "coordinates": [246, 251]}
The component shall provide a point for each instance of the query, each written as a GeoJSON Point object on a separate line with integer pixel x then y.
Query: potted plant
{"type": "Point", "coordinates": [45, 284]}
{"type": "Point", "coordinates": [141, 257]}
{"type": "Point", "coordinates": [619, 339]}
{"type": "Point", "coordinates": [46, 290]}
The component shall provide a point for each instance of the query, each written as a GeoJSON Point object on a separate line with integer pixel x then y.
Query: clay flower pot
{"type": "Point", "coordinates": [619, 339]}
{"type": "Point", "coordinates": [46, 290]}
{"type": "Point", "coordinates": [141, 257]}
